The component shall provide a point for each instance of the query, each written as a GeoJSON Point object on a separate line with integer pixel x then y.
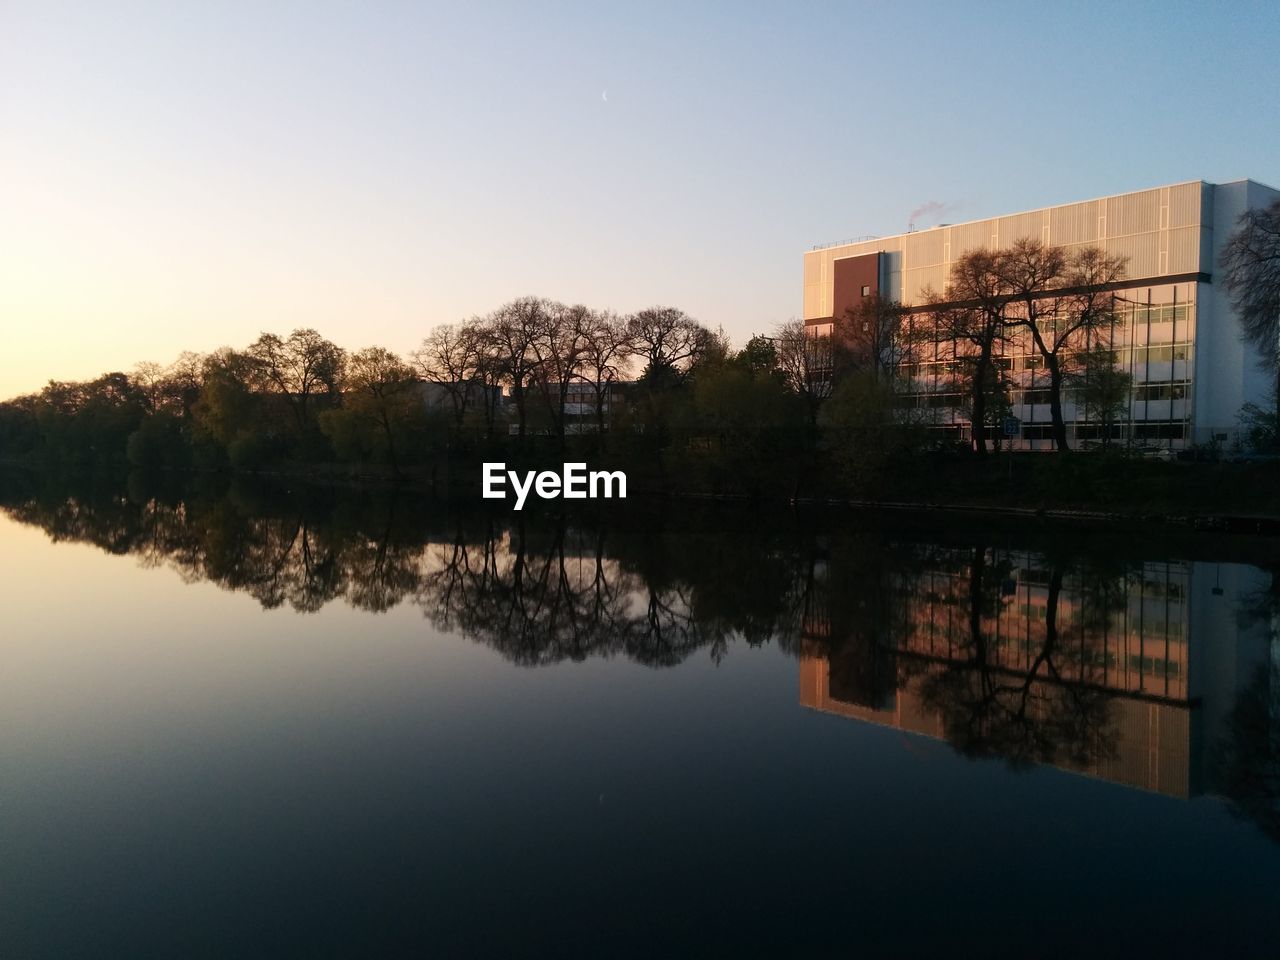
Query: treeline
{"type": "Point", "coordinates": [654, 392]}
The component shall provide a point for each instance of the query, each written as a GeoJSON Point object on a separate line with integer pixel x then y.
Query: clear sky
{"type": "Point", "coordinates": [182, 175]}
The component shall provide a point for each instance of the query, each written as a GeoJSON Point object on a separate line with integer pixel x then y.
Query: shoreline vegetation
{"type": "Point", "coordinates": [786, 419]}
{"type": "Point", "coordinates": [1227, 498]}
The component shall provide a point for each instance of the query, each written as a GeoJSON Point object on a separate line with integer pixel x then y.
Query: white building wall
{"type": "Point", "coordinates": [1171, 231]}
{"type": "Point", "coordinates": [1228, 372]}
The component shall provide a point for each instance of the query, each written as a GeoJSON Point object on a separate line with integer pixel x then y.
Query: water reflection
{"type": "Point", "coordinates": [1157, 673]}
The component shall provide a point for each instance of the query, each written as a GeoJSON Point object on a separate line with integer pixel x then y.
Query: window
{"type": "Point", "coordinates": [1158, 430]}
{"type": "Point", "coordinates": [866, 290]}
{"type": "Point", "coordinates": [1160, 391]}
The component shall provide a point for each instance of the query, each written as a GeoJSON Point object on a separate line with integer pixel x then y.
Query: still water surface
{"type": "Point", "coordinates": [255, 722]}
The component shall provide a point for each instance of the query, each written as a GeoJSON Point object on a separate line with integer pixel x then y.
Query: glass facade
{"type": "Point", "coordinates": [1151, 338]}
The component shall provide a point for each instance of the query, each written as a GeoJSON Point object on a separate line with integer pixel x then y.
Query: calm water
{"type": "Point", "coordinates": [251, 722]}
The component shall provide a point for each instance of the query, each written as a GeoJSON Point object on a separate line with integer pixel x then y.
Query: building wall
{"type": "Point", "coordinates": [1165, 231]}
{"type": "Point", "coordinates": [1180, 340]}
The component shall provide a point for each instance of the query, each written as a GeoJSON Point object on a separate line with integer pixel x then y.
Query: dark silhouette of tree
{"type": "Point", "coordinates": [1251, 275]}
{"type": "Point", "coordinates": [606, 352]}
{"type": "Point", "coordinates": [1061, 299]}
{"type": "Point", "coordinates": [807, 362]}
{"type": "Point", "coordinates": [1102, 389]}
{"type": "Point", "coordinates": [299, 368]}
{"type": "Point", "coordinates": [512, 332]}
{"type": "Point", "coordinates": [968, 324]}
{"type": "Point", "coordinates": [667, 341]}
{"type": "Point", "coordinates": [380, 400]}
{"type": "Point", "coordinates": [452, 357]}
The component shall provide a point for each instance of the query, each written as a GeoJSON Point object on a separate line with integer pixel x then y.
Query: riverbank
{"type": "Point", "coordinates": [1082, 489]}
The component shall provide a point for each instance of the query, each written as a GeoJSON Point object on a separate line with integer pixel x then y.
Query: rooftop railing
{"type": "Point", "coordinates": [845, 243]}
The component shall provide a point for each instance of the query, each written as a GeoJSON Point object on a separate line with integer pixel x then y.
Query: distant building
{"type": "Point", "coordinates": [583, 407]}
{"type": "Point", "coordinates": [439, 398]}
{"type": "Point", "coordinates": [1178, 338]}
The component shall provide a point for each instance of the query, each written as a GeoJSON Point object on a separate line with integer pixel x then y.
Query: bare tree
{"type": "Point", "coordinates": [148, 379]}
{"type": "Point", "coordinates": [450, 356]}
{"type": "Point", "coordinates": [380, 386]}
{"type": "Point", "coordinates": [666, 339]}
{"type": "Point", "coordinates": [1060, 300]}
{"type": "Point", "coordinates": [606, 349]}
{"type": "Point", "coordinates": [969, 319]}
{"type": "Point", "coordinates": [182, 382]}
{"type": "Point", "coordinates": [558, 349]}
{"type": "Point", "coordinates": [807, 362]}
{"type": "Point", "coordinates": [1251, 267]}
{"type": "Point", "coordinates": [871, 336]}
{"type": "Point", "coordinates": [299, 368]}
{"type": "Point", "coordinates": [513, 331]}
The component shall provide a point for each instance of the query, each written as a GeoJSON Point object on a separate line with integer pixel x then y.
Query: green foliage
{"type": "Point", "coordinates": [227, 407]}
{"type": "Point", "coordinates": [250, 451]}
{"type": "Point", "coordinates": [19, 429]}
{"type": "Point", "coordinates": [159, 443]}
{"type": "Point", "coordinates": [866, 441]}
{"type": "Point", "coordinates": [1102, 389]}
{"type": "Point", "coordinates": [1259, 427]}
{"type": "Point", "coordinates": [743, 429]}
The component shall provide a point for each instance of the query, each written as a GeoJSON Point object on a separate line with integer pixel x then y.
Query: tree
{"type": "Point", "coordinates": [380, 396]}
{"type": "Point", "coordinates": [1102, 389]}
{"type": "Point", "coordinates": [867, 437]}
{"type": "Point", "coordinates": [667, 340]}
{"type": "Point", "coordinates": [968, 319]}
{"type": "Point", "coordinates": [870, 336]}
{"type": "Point", "coordinates": [806, 362]}
{"type": "Point", "coordinates": [228, 411]}
{"type": "Point", "coordinates": [1060, 299]}
{"type": "Point", "coordinates": [512, 332]}
{"type": "Point", "coordinates": [298, 368]}
{"type": "Point", "coordinates": [606, 349]}
{"type": "Point", "coordinates": [759, 358]}
{"type": "Point", "coordinates": [451, 356]}
{"type": "Point", "coordinates": [1251, 268]}
{"type": "Point", "coordinates": [558, 350]}
{"type": "Point", "coordinates": [148, 378]}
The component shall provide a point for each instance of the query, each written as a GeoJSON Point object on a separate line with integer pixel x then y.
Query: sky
{"type": "Point", "coordinates": [186, 176]}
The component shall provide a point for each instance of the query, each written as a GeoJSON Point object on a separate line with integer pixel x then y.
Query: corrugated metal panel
{"type": "Point", "coordinates": [1184, 249]}
{"type": "Point", "coordinates": [1185, 204]}
{"type": "Point", "coordinates": [1022, 226]}
{"type": "Point", "coordinates": [1077, 223]}
{"type": "Point", "coordinates": [970, 236]}
{"type": "Point", "coordinates": [812, 300]}
{"type": "Point", "coordinates": [1142, 251]}
{"type": "Point", "coordinates": [924, 249]}
{"type": "Point", "coordinates": [810, 268]}
{"type": "Point", "coordinates": [915, 281]}
{"type": "Point", "coordinates": [1133, 213]}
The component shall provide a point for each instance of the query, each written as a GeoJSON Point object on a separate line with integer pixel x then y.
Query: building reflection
{"type": "Point", "coordinates": [1127, 673]}
{"type": "Point", "coordinates": [1160, 674]}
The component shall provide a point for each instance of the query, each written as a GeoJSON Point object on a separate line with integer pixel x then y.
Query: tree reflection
{"type": "Point", "coordinates": [1047, 705]}
{"type": "Point", "coordinates": [1249, 754]}
{"type": "Point", "coordinates": [1037, 656]}
{"type": "Point", "coordinates": [537, 590]}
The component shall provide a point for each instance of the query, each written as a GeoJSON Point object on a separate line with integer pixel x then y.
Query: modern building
{"type": "Point", "coordinates": [1176, 332]}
